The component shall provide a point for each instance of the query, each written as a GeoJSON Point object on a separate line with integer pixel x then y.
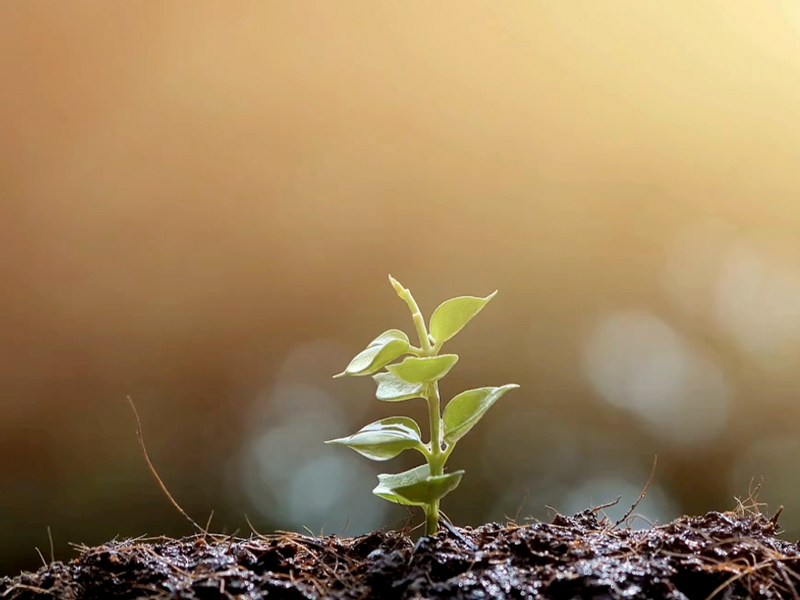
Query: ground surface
{"type": "Point", "coordinates": [726, 556]}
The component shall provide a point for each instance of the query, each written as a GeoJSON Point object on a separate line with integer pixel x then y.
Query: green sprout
{"type": "Point", "coordinates": [417, 376]}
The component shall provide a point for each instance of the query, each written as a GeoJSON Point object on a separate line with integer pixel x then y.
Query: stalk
{"type": "Point", "coordinates": [438, 457]}
{"type": "Point", "coordinates": [431, 518]}
{"type": "Point", "coordinates": [431, 394]}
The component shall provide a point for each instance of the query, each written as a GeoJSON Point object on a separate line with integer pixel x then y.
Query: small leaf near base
{"type": "Point", "coordinates": [416, 487]}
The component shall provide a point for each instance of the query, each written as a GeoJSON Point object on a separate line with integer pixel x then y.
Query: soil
{"type": "Point", "coordinates": [724, 556]}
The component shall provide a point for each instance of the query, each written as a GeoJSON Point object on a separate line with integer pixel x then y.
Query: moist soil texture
{"type": "Point", "coordinates": [725, 556]}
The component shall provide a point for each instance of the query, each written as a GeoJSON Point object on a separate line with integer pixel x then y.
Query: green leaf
{"type": "Point", "coordinates": [417, 486]}
{"type": "Point", "coordinates": [426, 369]}
{"type": "Point", "coordinates": [451, 316]}
{"type": "Point", "coordinates": [380, 352]}
{"type": "Point", "coordinates": [466, 409]}
{"type": "Point", "coordinates": [393, 389]}
{"type": "Point", "coordinates": [388, 482]}
{"type": "Point", "coordinates": [431, 488]}
{"type": "Point", "coordinates": [384, 439]}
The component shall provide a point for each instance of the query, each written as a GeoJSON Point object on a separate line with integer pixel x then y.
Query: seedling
{"type": "Point", "coordinates": [418, 376]}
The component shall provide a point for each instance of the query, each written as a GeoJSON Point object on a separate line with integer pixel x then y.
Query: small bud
{"type": "Point", "coordinates": [397, 286]}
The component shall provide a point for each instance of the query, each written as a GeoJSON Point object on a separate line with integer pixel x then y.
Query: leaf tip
{"type": "Point", "coordinates": [340, 375]}
{"type": "Point", "coordinates": [343, 441]}
{"type": "Point", "coordinates": [492, 295]}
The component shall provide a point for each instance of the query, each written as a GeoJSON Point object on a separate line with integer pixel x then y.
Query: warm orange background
{"type": "Point", "coordinates": [200, 202]}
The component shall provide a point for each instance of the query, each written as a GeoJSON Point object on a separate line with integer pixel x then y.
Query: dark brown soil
{"type": "Point", "coordinates": [726, 556]}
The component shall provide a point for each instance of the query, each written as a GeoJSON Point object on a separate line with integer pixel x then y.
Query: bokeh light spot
{"type": "Point", "coordinates": [286, 471]}
{"type": "Point", "coordinates": [758, 305]}
{"type": "Point", "coordinates": [638, 363]}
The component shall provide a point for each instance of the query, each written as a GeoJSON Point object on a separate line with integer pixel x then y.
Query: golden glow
{"type": "Point", "coordinates": [190, 191]}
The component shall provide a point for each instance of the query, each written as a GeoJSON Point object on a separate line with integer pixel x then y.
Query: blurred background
{"type": "Point", "coordinates": [200, 203]}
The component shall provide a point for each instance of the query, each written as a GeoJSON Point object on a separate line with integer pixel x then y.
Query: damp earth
{"type": "Point", "coordinates": [725, 556]}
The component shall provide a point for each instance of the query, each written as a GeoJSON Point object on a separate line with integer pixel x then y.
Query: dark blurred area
{"type": "Point", "coordinates": [200, 203]}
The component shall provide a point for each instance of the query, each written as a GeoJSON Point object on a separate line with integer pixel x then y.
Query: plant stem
{"type": "Point", "coordinates": [437, 456]}
{"type": "Point", "coordinates": [419, 323]}
{"type": "Point", "coordinates": [431, 518]}
{"type": "Point", "coordinates": [416, 315]}
{"type": "Point", "coordinates": [432, 396]}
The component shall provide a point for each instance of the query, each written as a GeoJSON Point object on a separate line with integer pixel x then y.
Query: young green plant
{"type": "Point", "coordinates": [418, 376]}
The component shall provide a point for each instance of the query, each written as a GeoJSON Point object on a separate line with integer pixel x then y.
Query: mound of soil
{"type": "Point", "coordinates": [724, 556]}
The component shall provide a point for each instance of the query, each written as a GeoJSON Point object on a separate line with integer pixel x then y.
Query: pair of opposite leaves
{"type": "Point", "coordinates": [447, 320]}
{"type": "Point", "coordinates": [385, 439]}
